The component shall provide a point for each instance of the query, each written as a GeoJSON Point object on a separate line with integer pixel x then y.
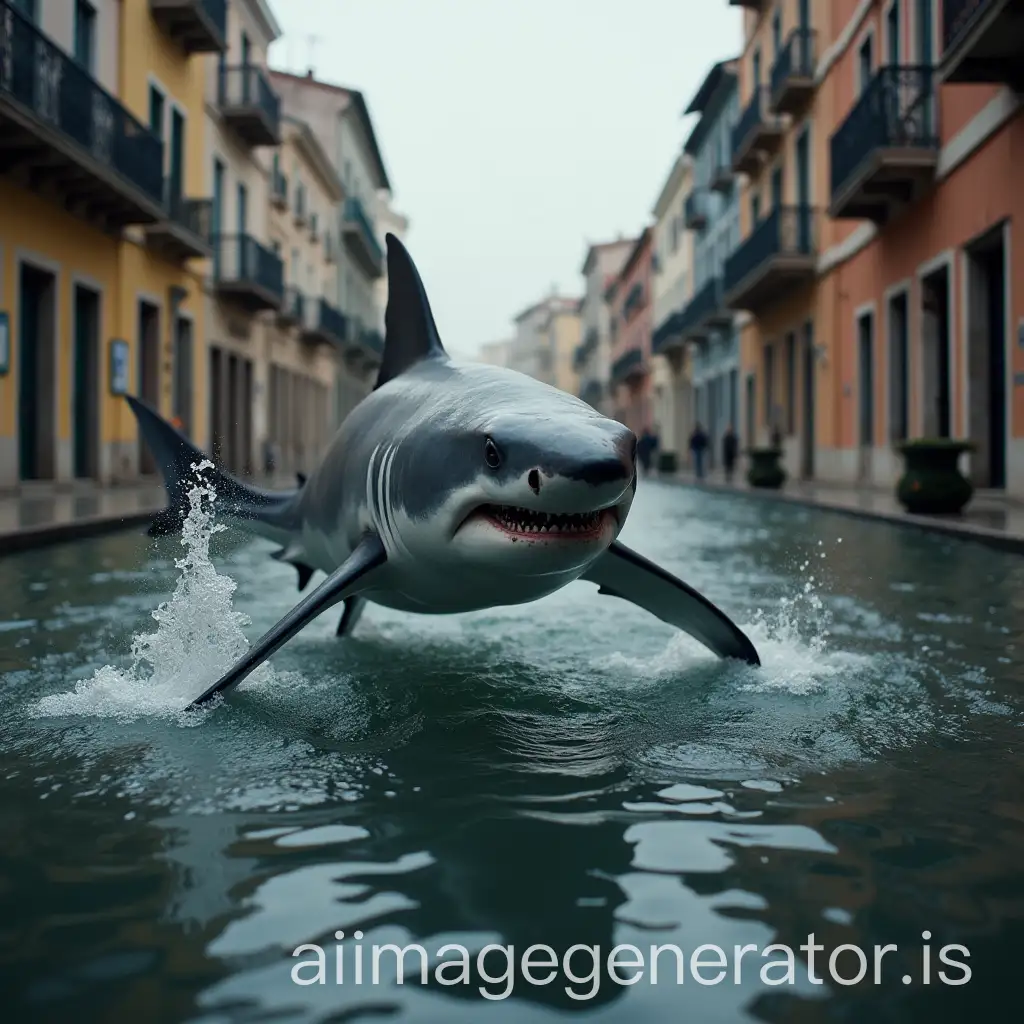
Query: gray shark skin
{"type": "Point", "coordinates": [449, 488]}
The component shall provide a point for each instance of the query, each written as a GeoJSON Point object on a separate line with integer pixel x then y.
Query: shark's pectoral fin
{"type": "Point", "coordinates": [304, 571]}
{"type": "Point", "coordinates": [350, 616]}
{"type": "Point", "coordinates": [620, 572]}
{"type": "Point", "coordinates": [352, 576]}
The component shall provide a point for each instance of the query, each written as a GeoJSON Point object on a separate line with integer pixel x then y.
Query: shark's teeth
{"type": "Point", "coordinates": [528, 521]}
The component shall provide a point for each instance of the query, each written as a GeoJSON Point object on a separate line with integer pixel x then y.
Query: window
{"type": "Point", "coordinates": [156, 111]}
{"type": "Point", "coordinates": [865, 62]}
{"type": "Point", "coordinates": [777, 32]}
{"type": "Point", "coordinates": [769, 386]}
{"type": "Point", "coordinates": [791, 384]}
{"type": "Point", "coordinates": [243, 208]}
{"type": "Point", "coordinates": [296, 266]}
{"type": "Point", "coordinates": [85, 34]}
{"type": "Point", "coordinates": [246, 50]}
{"type": "Point", "coordinates": [755, 210]}
{"type": "Point", "coordinates": [892, 33]}
{"type": "Point", "coordinates": [756, 68]}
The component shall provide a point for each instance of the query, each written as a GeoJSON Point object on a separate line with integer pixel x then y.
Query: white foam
{"type": "Point", "coordinates": [198, 637]}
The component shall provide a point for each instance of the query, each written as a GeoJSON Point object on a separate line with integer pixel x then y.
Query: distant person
{"type": "Point", "coordinates": [698, 447]}
{"type": "Point", "coordinates": [730, 450]}
{"type": "Point", "coordinates": [645, 449]}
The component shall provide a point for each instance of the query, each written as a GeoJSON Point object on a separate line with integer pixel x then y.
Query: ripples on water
{"type": "Point", "coordinates": [572, 771]}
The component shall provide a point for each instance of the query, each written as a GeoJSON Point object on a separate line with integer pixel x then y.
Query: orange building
{"type": "Point", "coordinates": [880, 217]}
{"type": "Point", "coordinates": [630, 308]}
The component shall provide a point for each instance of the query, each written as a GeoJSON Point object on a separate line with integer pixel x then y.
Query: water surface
{"type": "Point", "coordinates": [570, 772]}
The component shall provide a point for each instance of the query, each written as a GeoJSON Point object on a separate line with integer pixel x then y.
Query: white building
{"type": "Point", "coordinates": [673, 289]}
{"type": "Point", "coordinates": [341, 119]}
{"type": "Point", "coordinates": [593, 357]}
{"type": "Point", "coordinates": [533, 349]}
{"type": "Point", "coordinates": [496, 353]}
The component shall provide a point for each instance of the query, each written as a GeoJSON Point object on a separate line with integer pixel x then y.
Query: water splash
{"type": "Point", "coordinates": [198, 637]}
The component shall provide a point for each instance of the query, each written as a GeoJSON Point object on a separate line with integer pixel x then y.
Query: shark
{"type": "Point", "coordinates": [450, 487]}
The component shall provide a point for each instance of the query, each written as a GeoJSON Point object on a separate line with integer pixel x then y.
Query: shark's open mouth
{"type": "Point", "coordinates": [527, 522]}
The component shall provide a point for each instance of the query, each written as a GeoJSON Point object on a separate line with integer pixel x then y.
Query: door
{"type": "Point", "coordinates": [925, 47]}
{"type": "Point", "coordinates": [997, 421]}
{"type": "Point", "coordinates": [810, 362]}
{"type": "Point", "coordinates": [803, 168]}
{"type": "Point", "coordinates": [899, 366]}
{"type": "Point", "coordinates": [148, 349]}
{"type": "Point", "coordinates": [777, 188]}
{"type": "Point", "coordinates": [176, 161]}
{"type": "Point", "coordinates": [30, 326]}
{"type": "Point", "coordinates": [865, 63]}
{"type": "Point", "coordinates": [183, 374]}
{"type": "Point", "coordinates": [750, 413]}
{"type": "Point", "coordinates": [85, 386]}
{"type": "Point", "coordinates": [893, 48]}
{"type": "Point", "coordinates": [756, 68]}
{"type": "Point", "coordinates": [866, 390]}
{"type": "Point", "coordinates": [243, 208]}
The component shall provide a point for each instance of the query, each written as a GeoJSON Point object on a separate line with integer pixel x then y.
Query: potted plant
{"type": "Point", "coordinates": [668, 462]}
{"type": "Point", "coordinates": [765, 468]}
{"type": "Point", "coordinates": [932, 483]}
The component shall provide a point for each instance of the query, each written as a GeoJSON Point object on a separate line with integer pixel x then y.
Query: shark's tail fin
{"type": "Point", "coordinates": [176, 455]}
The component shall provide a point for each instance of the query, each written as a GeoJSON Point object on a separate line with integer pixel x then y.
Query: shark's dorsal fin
{"type": "Point", "coordinates": [410, 333]}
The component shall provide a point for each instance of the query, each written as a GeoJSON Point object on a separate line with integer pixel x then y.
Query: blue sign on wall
{"type": "Point", "coordinates": [5, 343]}
{"type": "Point", "coordinates": [118, 367]}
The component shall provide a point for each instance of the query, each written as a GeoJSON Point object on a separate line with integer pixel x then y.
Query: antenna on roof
{"type": "Point", "coordinates": [313, 40]}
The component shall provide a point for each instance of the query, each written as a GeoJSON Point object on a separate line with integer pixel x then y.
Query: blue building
{"type": "Point", "coordinates": [712, 214]}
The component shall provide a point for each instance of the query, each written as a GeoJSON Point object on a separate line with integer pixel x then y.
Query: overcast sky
{"type": "Point", "coordinates": [514, 132]}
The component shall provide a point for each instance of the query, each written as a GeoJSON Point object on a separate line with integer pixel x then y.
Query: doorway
{"type": "Point", "coordinates": [935, 355]}
{"type": "Point", "coordinates": [182, 399]}
{"type": "Point", "coordinates": [899, 368]}
{"type": "Point", "coordinates": [986, 359]}
{"type": "Point", "coordinates": [217, 407]}
{"type": "Point", "coordinates": [85, 413]}
{"type": "Point", "coordinates": [37, 374]}
{"type": "Point", "coordinates": [807, 420]}
{"type": "Point", "coordinates": [866, 392]}
{"type": "Point", "coordinates": [149, 373]}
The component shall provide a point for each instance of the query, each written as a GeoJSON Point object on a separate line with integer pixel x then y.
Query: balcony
{"type": "Point", "coordinates": [629, 366]}
{"type": "Point", "coordinates": [592, 392]}
{"type": "Point", "coordinates": [721, 177]}
{"type": "Point", "coordinates": [983, 41]}
{"type": "Point", "coordinates": [792, 81]}
{"type": "Point", "coordinates": [361, 238]}
{"type": "Point", "coordinates": [884, 153]}
{"type": "Point", "coordinates": [187, 232]}
{"type": "Point", "coordinates": [247, 273]}
{"type": "Point", "coordinates": [667, 335]}
{"type": "Point", "coordinates": [293, 308]}
{"type": "Point", "coordinates": [249, 105]}
{"type": "Point", "coordinates": [779, 256]}
{"type": "Point", "coordinates": [757, 135]}
{"type": "Point", "coordinates": [323, 324]}
{"type": "Point", "coordinates": [634, 300]}
{"type": "Point", "coordinates": [64, 136]}
{"type": "Point", "coordinates": [695, 214]}
{"type": "Point", "coordinates": [704, 313]}
{"type": "Point", "coordinates": [198, 26]}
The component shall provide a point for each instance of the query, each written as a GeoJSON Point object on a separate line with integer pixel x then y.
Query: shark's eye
{"type": "Point", "coordinates": [491, 454]}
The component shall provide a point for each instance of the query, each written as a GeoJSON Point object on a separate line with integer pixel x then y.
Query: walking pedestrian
{"type": "Point", "coordinates": [698, 446]}
{"type": "Point", "coordinates": [645, 450]}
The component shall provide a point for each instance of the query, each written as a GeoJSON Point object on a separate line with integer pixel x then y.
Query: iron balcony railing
{"type": "Point", "coordinates": [61, 94]}
{"type": "Point", "coordinates": [242, 258]}
{"type": "Point", "coordinates": [331, 321]}
{"type": "Point", "coordinates": [796, 59]}
{"type": "Point", "coordinates": [695, 209]}
{"type": "Point", "coordinates": [195, 215]}
{"type": "Point", "coordinates": [217, 12]}
{"type": "Point", "coordinates": [373, 341]}
{"type": "Point", "coordinates": [356, 214]}
{"type": "Point", "coordinates": [246, 85]}
{"type": "Point", "coordinates": [786, 231]}
{"type": "Point", "coordinates": [666, 331]}
{"type": "Point", "coordinates": [705, 305]}
{"type": "Point", "coordinates": [627, 363]}
{"type": "Point", "coordinates": [895, 111]}
{"type": "Point", "coordinates": [751, 117]}
{"type": "Point", "coordinates": [959, 18]}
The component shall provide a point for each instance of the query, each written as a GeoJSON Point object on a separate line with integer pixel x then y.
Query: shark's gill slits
{"type": "Point", "coordinates": [529, 522]}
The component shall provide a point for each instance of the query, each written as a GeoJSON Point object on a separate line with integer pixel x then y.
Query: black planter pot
{"type": "Point", "coordinates": [765, 468]}
{"type": "Point", "coordinates": [932, 483]}
{"type": "Point", "coordinates": [667, 462]}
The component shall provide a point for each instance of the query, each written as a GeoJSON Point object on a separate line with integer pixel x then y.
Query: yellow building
{"type": "Point", "coordinates": [308, 340]}
{"type": "Point", "coordinates": [102, 232]}
{"type": "Point", "coordinates": [564, 332]}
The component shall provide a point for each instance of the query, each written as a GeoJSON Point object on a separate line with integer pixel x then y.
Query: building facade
{"type": "Point", "coordinates": [341, 120]}
{"type": "Point", "coordinates": [244, 130]}
{"type": "Point", "coordinates": [105, 227]}
{"type": "Point", "coordinates": [306, 341]}
{"type": "Point", "coordinates": [496, 353]}
{"type": "Point", "coordinates": [631, 310]}
{"type": "Point", "coordinates": [673, 288]}
{"type": "Point", "coordinates": [563, 338]}
{"type": "Point", "coordinates": [540, 329]}
{"type": "Point", "coordinates": [706, 323]}
{"type": "Point", "coordinates": [904, 326]}
{"type": "Point", "coordinates": [592, 358]}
